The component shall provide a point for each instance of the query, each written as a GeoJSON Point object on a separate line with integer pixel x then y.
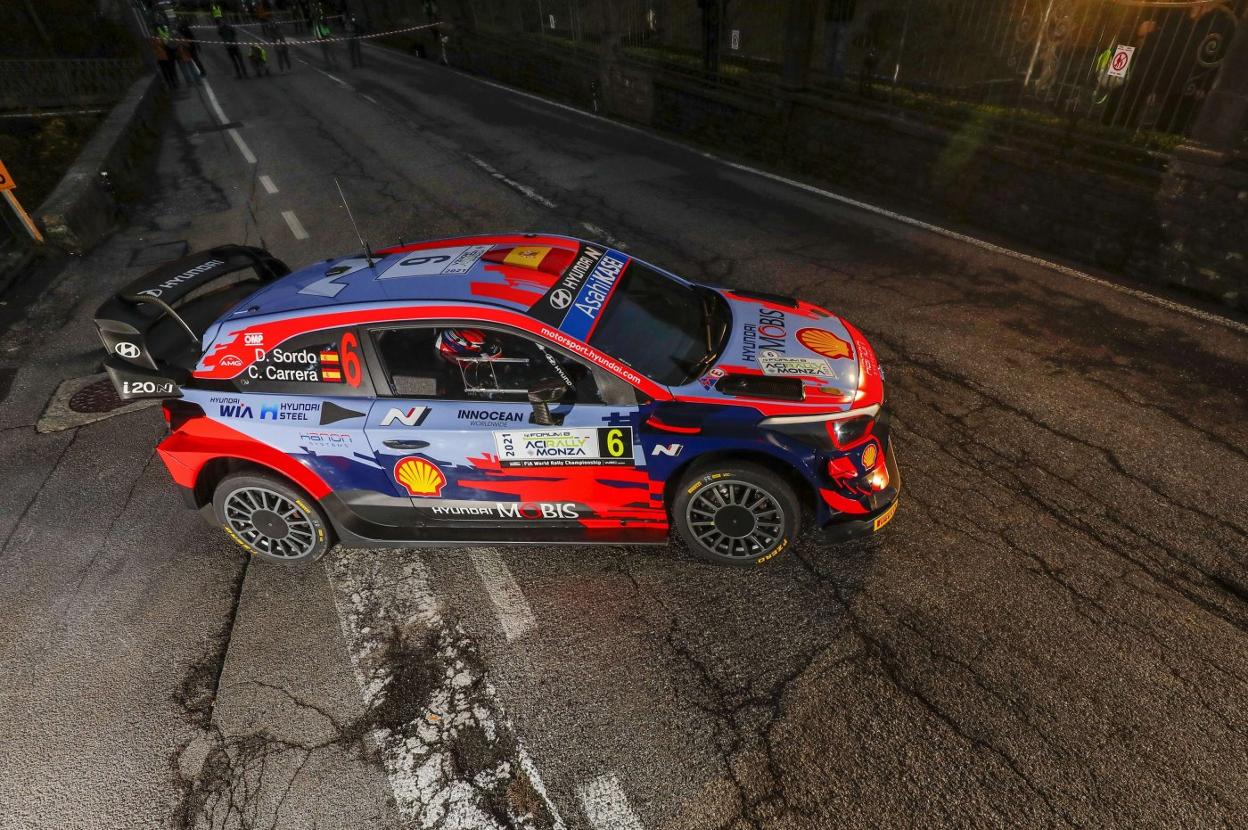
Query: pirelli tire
{"type": "Point", "coordinates": [270, 519]}
{"type": "Point", "coordinates": [736, 513]}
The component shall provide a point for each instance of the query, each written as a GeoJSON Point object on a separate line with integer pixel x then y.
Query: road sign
{"type": "Point", "coordinates": [6, 181]}
{"type": "Point", "coordinates": [1120, 62]}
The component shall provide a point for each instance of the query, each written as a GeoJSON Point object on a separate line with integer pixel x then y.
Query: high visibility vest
{"type": "Point", "coordinates": [162, 32]}
{"type": "Point", "coordinates": [216, 11]}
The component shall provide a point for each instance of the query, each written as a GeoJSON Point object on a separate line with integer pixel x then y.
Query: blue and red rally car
{"type": "Point", "coordinates": [510, 388]}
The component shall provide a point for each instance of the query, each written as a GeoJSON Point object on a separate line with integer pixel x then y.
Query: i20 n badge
{"type": "Point", "coordinates": [508, 388]}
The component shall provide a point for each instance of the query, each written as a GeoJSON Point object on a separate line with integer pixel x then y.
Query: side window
{"type": "Point", "coordinates": [326, 362]}
{"type": "Point", "coordinates": [463, 363]}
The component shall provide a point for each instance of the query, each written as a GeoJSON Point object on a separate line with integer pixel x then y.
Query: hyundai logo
{"type": "Point", "coordinates": [561, 298]}
{"type": "Point", "coordinates": [127, 350]}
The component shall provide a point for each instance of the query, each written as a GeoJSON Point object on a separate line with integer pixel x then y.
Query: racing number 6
{"type": "Point", "coordinates": [615, 443]}
{"type": "Point", "coordinates": [349, 349]}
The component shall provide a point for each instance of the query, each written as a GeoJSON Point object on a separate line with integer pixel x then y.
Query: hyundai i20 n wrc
{"type": "Point", "coordinates": [511, 388]}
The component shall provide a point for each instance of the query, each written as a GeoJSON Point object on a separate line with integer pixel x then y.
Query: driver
{"type": "Point", "coordinates": [472, 352]}
{"type": "Point", "coordinates": [455, 344]}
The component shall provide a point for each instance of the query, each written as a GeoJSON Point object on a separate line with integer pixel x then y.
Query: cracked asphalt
{"type": "Point", "coordinates": [1053, 631]}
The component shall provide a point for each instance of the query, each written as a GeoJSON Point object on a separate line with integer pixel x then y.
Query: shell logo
{"type": "Point", "coordinates": [419, 477]}
{"type": "Point", "coordinates": [823, 342]}
{"type": "Point", "coordinates": [870, 455]}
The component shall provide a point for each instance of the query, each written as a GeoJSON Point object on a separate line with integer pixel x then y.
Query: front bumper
{"type": "Point", "coordinates": [845, 529]}
{"type": "Point", "coordinates": [883, 507]}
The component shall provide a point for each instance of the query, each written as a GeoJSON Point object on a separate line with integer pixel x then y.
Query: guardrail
{"type": "Point", "coordinates": [65, 82]}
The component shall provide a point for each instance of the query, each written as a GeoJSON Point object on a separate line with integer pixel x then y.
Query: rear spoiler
{"type": "Point", "coordinates": [151, 328]}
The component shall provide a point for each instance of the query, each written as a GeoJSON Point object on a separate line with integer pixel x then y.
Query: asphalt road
{"type": "Point", "coordinates": [1052, 632]}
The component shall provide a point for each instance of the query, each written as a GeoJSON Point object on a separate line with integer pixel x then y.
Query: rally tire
{"type": "Point", "coordinates": [736, 513]}
{"type": "Point", "coordinates": [270, 519]}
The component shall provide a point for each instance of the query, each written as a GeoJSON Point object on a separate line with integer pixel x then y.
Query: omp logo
{"type": "Point", "coordinates": [410, 418]}
{"type": "Point", "coordinates": [253, 338]}
{"type": "Point", "coordinates": [670, 450]}
{"type": "Point", "coordinates": [236, 411]}
{"type": "Point", "coordinates": [561, 298]}
{"type": "Point", "coordinates": [127, 349]}
{"type": "Point", "coordinates": [175, 281]}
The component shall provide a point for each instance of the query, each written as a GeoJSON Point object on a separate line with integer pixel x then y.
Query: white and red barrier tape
{"type": "Point", "coordinates": [312, 42]}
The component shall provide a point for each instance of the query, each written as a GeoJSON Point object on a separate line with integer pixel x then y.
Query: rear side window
{"type": "Point", "coordinates": [328, 362]}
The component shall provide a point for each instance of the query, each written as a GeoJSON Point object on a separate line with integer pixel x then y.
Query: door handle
{"type": "Point", "coordinates": [396, 444]}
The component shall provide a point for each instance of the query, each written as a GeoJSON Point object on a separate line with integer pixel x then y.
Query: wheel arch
{"type": "Point", "coordinates": [215, 469]}
{"type": "Point", "coordinates": [806, 495]}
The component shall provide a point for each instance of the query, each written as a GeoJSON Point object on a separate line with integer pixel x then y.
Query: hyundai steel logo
{"type": "Point", "coordinates": [561, 298]}
{"type": "Point", "coordinates": [127, 350]}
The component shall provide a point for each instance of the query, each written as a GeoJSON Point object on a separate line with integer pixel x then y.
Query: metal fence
{"type": "Point", "coordinates": [73, 82]}
{"type": "Point", "coordinates": [1140, 69]}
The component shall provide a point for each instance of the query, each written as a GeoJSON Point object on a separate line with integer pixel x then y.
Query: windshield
{"type": "Point", "coordinates": [664, 329]}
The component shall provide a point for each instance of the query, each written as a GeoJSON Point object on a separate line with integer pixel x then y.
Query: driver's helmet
{"type": "Point", "coordinates": [454, 345]}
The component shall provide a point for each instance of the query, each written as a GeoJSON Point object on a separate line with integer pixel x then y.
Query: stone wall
{"type": "Point", "coordinates": [1183, 226]}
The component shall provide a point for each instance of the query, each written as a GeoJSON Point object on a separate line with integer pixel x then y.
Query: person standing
{"type": "Point", "coordinates": [165, 61]}
{"type": "Point", "coordinates": [188, 36]}
{"type": "Point", "coordinates": [283, 52]}
{"type": "Point", "coordinates": [323, 33]}
{"type": "Point", "coordinates": [356, 29]}
{"type": "Point", "coordinates": [230, 36]}
{"type": "Point", "coordinates": [217, 15]}
{"type": "Point", "coordinates": [189, 73]}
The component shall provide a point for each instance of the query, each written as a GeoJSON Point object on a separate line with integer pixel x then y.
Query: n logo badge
{"type": "Point", "coordinates": [411, 418]}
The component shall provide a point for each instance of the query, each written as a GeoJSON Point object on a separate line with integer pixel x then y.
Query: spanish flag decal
{"type": "Point", "coordinates": [331, 366]}
{"type": "Point", "coordinates": [527, 256]}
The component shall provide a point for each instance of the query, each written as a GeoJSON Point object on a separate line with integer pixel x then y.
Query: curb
{"type": "Point", "coordinates": [83, 207]}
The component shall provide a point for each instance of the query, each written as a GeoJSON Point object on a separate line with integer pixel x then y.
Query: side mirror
{"type": "Point", "coordinates": [544, 392]}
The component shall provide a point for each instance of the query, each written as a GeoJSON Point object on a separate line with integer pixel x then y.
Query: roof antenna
{"type": "Point", "coordinates": [368, 253]}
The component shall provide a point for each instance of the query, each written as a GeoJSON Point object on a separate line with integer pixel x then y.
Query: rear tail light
{"type": "Point", "coordinates": [177, 413]}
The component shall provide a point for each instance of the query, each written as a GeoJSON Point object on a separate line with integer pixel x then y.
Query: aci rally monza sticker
{"type": "Point", "coordinates": [607, 446]}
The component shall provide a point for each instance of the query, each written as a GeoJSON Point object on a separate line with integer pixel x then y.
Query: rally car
{"type": "Point", "coordinates": [512, 388]}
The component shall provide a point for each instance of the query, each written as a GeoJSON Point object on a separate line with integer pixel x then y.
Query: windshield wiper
{"type": "Point", "coordinates": [712, 339]}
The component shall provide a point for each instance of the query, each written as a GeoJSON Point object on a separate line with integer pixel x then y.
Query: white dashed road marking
{"type": "Point", "coordinates": [606, 806]}
{"type": "Point", "coordinates": [525, 189]}
{"type": "Point", "coordinates": [248, 156]}
{"type": "Point", "coordinates": [514, 613]}
{"type": "Point", "coordinates": [296, 227]}
{"type": "Point", "coordinates": [269, 187]}
{"type": "Point", "coordinates": [370, 99]}
{"type": "Point", "coordinates": [602, 234]}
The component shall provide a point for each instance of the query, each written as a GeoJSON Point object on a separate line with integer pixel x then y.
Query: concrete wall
{"type": "Point", "coordinates": [110, 170]}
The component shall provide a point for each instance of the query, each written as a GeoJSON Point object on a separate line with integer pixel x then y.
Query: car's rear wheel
{"type": "Point", "coordinates": [270, 519]}
{"type": "Point", "coordinates": [736, 513]}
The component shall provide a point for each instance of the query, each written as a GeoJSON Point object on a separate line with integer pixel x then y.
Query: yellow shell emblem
{"type": "Point", "coordinates": [419, 477]}
{"type": "Point", "coordinates": [823, 342]}
{"type": "Point", "coordinates": [870, 455]}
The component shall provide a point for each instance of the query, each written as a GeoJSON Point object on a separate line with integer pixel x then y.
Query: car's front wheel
{"type": "Point", "coordinates": [736, 513]}
{"type": "Point", "coordinates": [270, 519]}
